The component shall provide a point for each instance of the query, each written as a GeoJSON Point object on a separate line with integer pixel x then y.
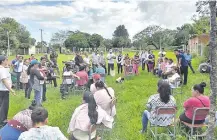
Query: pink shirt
{"type": "Point", "coordinates": [104, 100]}
{"type": "Point", "coordinates": [83, 78]}
{"type": "Point", "coordinates": [191, 104]}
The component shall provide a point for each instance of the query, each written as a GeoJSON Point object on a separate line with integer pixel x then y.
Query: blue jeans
{"type": "Point", "coordinates": [145, 118]}
{"type": "Point", "coordinates": [38, 95]}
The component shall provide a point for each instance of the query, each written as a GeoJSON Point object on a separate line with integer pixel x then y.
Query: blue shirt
{"type": "Point", "coordinates": [188, 57]}
{"type": "Point", "coordinates": [183, 60]}
{"type": "Point", "coordinates": [100, 70]}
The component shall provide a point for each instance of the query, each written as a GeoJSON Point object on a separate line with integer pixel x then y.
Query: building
{"type": "Point", "coordinates": [197, 44]}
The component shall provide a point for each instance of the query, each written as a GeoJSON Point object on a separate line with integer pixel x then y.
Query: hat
{"type": "Point", "coordinates": [96, 76]}
{"type": "Point", "coordinates": [2, 57]}
{"type": "Point", "coordinates": [33, 62]}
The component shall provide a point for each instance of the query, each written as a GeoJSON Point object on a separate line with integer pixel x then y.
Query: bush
{"type": "Point", "coordinates": [194, 55]}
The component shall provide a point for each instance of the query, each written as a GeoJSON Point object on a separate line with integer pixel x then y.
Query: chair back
{"type": "Point", "coordinates": [203, 111]}
{"type": "Point", "coordinates": [112, 104]}
{"type": "Point", "coordinates": [166, 110]}
{"type": "Point", "coordinates": [91, 130]}
{"type": "Point", "coordinates": [177, 82]}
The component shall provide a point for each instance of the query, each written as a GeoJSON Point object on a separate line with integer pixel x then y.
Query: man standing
{"type": "Point", "coordinates": [53, 58]}
{"type": "Point", "coordinates": [95, 60]}
{"type": "Point", "coordinates": [78, 59]}
{"type": "Point", "coordinates": [162, 53]}
{"type": "Point", "coordinates": [188, 58]}
{"type": "Point", "coordinates": [102, 61]}
{"type": "Point", "coordinates": [120, 61]}
{"type": "Point", "coordinates": [183, 65]}
{"type": "Point", "coordinates": [143, 56]}
{"type": "Point", "coordinates": [5, 88]}
{"type": "Point", "coordinates": [110, 58]}
{"type": "Point", "coordinates": [18, 68]}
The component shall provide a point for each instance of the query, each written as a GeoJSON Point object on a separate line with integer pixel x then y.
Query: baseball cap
{"type": "Point", "coordinates": [96, 76]}
{"type": "Point", "coordinates": [33, 62]}
{"type": "Point", "coordinates": [2, 57]}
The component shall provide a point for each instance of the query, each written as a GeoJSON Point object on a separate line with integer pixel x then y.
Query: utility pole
{"type": "Point", "coordinates": [8, 51]}
{"type": "Point", "coordinates": [41, 38]}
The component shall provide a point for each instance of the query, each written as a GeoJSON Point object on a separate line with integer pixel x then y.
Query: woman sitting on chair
{"type": "Point", "coordinates": [86, 115]}
{"type": "Point", "coordinates": [162, 99]}
{"type": "Point", "coordinates": [197, 100]}
{"type": "Point", "coordinates": [105, 97]}
{"type": "Point", "coordinates": [96, 78]}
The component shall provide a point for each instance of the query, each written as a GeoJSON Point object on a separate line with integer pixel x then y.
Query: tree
{"type": "Point", "coordinates": [108, 43]}
{"type": "Point", "coordinates": [78, 40]}
{"type": "Point", "coordinates": [95, 41]}
{"type": "Point", "coordinates": [213, 73]}
{"type": "Point", "coordinates": [121, 31]}
{"type": "Point", "coordinates": [60, 37]}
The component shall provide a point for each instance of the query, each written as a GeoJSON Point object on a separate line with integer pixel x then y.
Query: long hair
{"type": "Point", "coordinates": [200, 87]}
{"type": "Point", "coordinates": [29, 68]}
{"type": "Point", "coordinates": [92, 113]}
{"type": "Point", "coordinates": [101, 85]}
{"type": "Point", "coordinates": [165, 91]}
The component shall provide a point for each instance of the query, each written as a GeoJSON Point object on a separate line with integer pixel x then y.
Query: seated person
{"type": "Point", "coordinates": [40, 130]}
{"type": "Point", "coordinates": [83, 76]}
{"type": "Point", "coordinates": [100, 70]}
{"type": "Point", "coordinates": [104, 97]}
{"type": "Point", "coordinates": [68, 75]}
{"type": "Point", "coordinates": [162, 98]}
{"type": "Point", "coordinates": [168, 69]}
{"type": "Point", "coordinates": [157, 70]}
{"type": "Point", "coordinates": [11, 131]}
{"type": "Point", "coordinates": [197, 100]}
{"type": "Point", "coordinates": [86, 115]}
{"type": "Point", "coordinates": [174, 75]}
{"type": "Point", "coordinates": [96, 78]}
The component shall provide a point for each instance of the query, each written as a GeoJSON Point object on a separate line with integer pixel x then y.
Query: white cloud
{"type": "Point", "coordinates": [102, 17]}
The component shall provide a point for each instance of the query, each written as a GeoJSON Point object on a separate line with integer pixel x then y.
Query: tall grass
{"type": "Point", "coordinates": [132, 96]}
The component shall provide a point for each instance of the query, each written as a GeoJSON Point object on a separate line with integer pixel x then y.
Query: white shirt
{"type": "Point", "coordinates": [87, 60]}
{"type": "Point", "coordinates": [67, 81]}
{"type": "Point", "coordinates": [19, 67]}
{"type": "Point", "coordinates": [95, 58]}
{"type": "Point", "coordinates": [110, 58]}
{"type": "Point", "coordinates": [164, 53]}
{"type": "Point", "coordinates": [4, 74]}
{"type": "Point", "coordinates": [25, 68]}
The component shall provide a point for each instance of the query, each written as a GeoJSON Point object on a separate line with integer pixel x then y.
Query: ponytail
{"type": "Point", "coordinates": [100, 84]}
{"type": "Point", "coordinates": [29, 68]}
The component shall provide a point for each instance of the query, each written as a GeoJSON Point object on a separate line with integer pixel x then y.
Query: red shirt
{"type": "Point", "coordinates": [83, 78]}
{"type": "Point", "coordinates": [191, 104]}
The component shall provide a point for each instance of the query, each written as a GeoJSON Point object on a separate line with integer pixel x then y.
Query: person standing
{"type": "Point", "coordinates": [95, 62]}
{"type": "Point", "coordinates": [136, 62]}
{"type": "Point", "coordinates": [86, 59]}
{"type": "Point", "coordinates": [162, 53]}
{"type": "Point", "coordinates": [102, 61]}
{"type": "Point", "coordinates": [143, 57]}
{"type": "Point", "coordinates": [120, 60]}
{"type": "Point", "coordinates": [24, 76]}
{"type": "Point", "coordinates": [188, 58]}
{"type": "Point", "coordinates": [183, 65]}
{"type": "Point", "coordinates": [53, 58]}
{"type": "Point", "coordinates": [110, 58]}
{"type": "Point", "coordinates": [18, 68]}
{"type": "Point", "coordinates": [37, 79]}
{"type": "Point", "coordinates": [151, 61]}
{"type": "Point", "coordinates": [5, 88]}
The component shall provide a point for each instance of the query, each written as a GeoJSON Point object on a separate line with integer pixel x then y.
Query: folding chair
{"type": "Point", "coordinates": [102, 127]}
{"type": "Point", "coordinates": [65, 81]}
{"type": "Point", "coordinates": [169, 110]}
{"type": "Point", "coordinates": [78, 88]}
{"type": "Point", "coordinates": [204, 111]}
{"type": "Point", "coordinates": [176, 85]}
{"type": "Point", "coordinates": [91, 130]}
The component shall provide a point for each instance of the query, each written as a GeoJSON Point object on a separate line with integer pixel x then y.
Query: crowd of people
{"type": "Point", "coordinates": [98, 106]}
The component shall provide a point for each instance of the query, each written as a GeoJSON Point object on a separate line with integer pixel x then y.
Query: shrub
{"type": "Point", "coordinates": [194, 55]}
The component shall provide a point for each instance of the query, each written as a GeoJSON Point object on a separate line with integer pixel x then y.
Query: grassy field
{"type": "Point", "coordinates": [132, 96]}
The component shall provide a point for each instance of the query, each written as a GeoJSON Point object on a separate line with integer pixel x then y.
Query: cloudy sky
{"type": "Point", "coordinates": [96, 16]}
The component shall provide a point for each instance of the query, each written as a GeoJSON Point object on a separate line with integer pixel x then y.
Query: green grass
{"type": "Point", "coordinates": [132, 97]}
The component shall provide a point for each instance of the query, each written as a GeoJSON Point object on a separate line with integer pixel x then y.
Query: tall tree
{"type": "Point", "coordinates": [95, 40]}
{"type": "Point", "coordinates": [213, 74]}
{"type": "Point", "coordinates": [121, 31]}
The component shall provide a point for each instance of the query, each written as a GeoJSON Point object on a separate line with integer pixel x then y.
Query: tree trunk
{"type": "Point", "coordinates": [213, 73]}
